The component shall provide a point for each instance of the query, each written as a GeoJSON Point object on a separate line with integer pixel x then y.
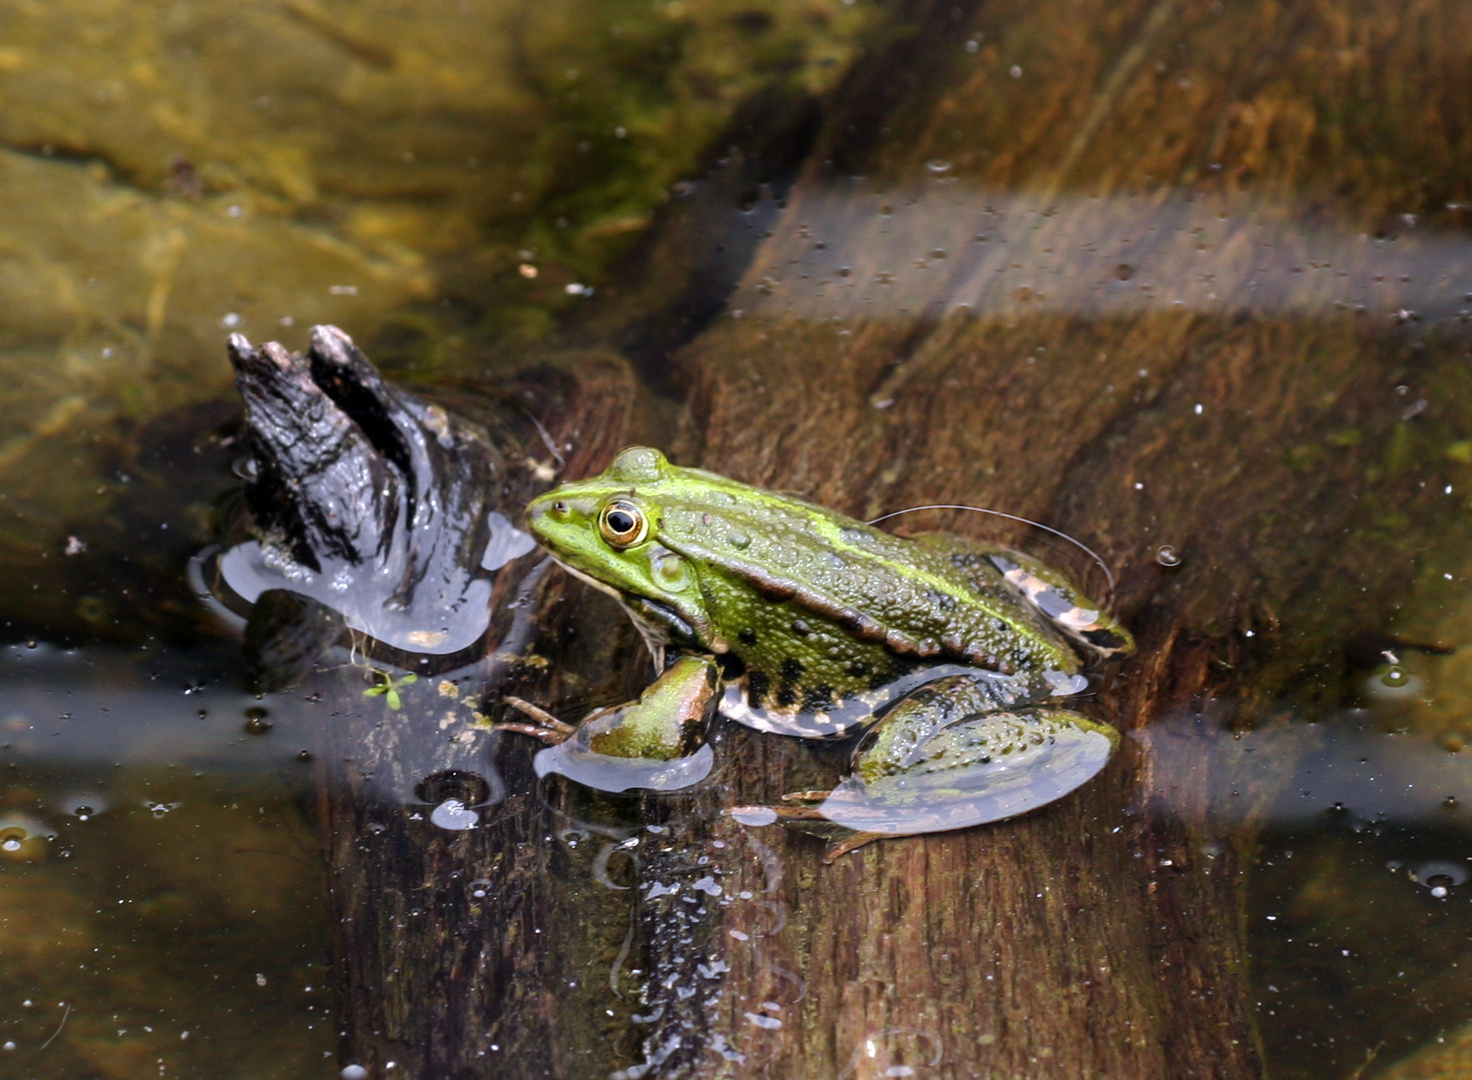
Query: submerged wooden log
{"type": "Point", "coordinates": [1129, 269]}
{"type": "Point", "coordinates": [1081, 262]}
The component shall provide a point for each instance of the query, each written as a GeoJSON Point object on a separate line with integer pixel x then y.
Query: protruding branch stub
{"type": "Point", "coordinates": [366, 498]}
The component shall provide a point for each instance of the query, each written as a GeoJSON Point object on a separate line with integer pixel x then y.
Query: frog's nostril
{"type": "Point", "coordinates": [559, 508]}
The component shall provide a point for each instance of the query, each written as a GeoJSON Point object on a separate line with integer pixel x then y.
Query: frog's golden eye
{"type": "Point", "coordinates": [623, 524]}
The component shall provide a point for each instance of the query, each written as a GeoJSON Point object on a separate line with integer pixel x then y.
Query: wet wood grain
{"type": "Point", "coordinates": [1160, 274]}
{"type": "Point", "coordinates": [1165, 274]}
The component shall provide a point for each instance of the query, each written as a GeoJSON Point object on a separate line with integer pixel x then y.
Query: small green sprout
{"type": "Point", "coordinates": [389, 687]}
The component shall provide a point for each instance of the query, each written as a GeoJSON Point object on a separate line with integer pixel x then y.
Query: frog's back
{"type": "Point", "coordinates": [937, 603]}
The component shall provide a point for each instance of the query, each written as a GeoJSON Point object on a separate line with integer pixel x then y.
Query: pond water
{"type": "Point", "coordinates": [471, 189]}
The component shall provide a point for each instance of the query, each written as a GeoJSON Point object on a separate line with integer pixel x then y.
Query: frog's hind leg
{"type": "Point", "coordinates": [938, 762]}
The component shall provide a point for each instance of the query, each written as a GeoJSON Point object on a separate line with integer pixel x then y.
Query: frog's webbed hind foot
{"type": "Point", "coordinates": [546, 726]}
{"type": "Point", "coordinates": [813, 821]}
{"type": "Point", "coordinates": [933, 769]}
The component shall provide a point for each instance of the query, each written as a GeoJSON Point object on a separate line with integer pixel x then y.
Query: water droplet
{"type": "Point", "coordinates": [256, 722]}
{"type": "Point", "coordinates": [353, 1072]}
{"type": "Point", "coordinates": [1166, 555]}
{"type": "Point", "coordinates": [738, 540]}
{"type": "Point", "coordinates": [753, 815]}
{"type": "Point", "coordinates": [1395, 677]}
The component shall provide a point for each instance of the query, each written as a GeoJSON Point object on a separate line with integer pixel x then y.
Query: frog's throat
{"type": "Point", "coordinates": [658, 624]}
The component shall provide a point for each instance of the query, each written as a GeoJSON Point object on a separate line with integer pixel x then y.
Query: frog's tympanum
{"type": "Point", "coordinates": [795, 619]}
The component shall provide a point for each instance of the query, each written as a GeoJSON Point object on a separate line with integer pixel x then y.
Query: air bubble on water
{"type": "Point", "coordinates": [1393, 683]}
{"type": "Point", "coordinates": [353, 1072]}
{"type": "Point", "coordinates": [480, 888]}
{"type": "Point", "coordinates": [9, 1044]}
{"type": "Point", "coordinates": [11, 843]}
{"type": "Point", "coordinates": [1440, 876]}
{"type": "Point", "coordinates": [454, 815]}
{"type": "Point", "coordinates": [1166, 555]}
{"type": "Point", "coordinates": [938, 166]}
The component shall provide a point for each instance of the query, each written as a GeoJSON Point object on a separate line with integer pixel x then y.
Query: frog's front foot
{"type": "Point", "coordinates": [545, 727]}
{"type": "Point", "coordinates": [657, 742]}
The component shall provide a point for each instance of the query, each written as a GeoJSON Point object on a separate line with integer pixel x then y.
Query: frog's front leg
{"type": "Point", "coordinates": [656, 742]}
{"type": "Point", "coordinates": [946, 757]}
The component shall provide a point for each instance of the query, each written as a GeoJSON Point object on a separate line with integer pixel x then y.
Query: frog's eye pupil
{"type": "Point", "coordinates": [620, 522]}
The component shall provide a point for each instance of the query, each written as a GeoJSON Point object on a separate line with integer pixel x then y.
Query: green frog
{"type": "Point", "coordinates": [795, 619]}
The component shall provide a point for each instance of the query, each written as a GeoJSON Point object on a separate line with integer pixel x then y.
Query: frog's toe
{"type": "Point", "coordinates": [544, 725]}
{"type": "Point", "coordinates": [806, 796]}
{"type": "Point", "coordinates": [808, 819]}
{"type": "Point", "coordinates": [840, 848]}
{"type": "Point", "coordinates": [550, 736]}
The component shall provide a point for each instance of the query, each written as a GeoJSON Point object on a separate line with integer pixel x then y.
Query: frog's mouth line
{"type": "Point", "coordinates": [657, 631]}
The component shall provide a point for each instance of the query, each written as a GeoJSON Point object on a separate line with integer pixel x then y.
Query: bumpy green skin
{"type": "Point", "coordinates": [816, 620]}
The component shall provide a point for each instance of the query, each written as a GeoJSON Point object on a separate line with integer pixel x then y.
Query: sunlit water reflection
{"type": "Point", "coordinates": [161, 912]}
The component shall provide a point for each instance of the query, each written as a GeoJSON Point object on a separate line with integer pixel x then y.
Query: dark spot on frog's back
{"type": "Point", "coordinates": [818, 699]}
{"type": "Point", "coordinates": [747, 637]}
{"type": "Point", "coordinates": [787, 691]}
{"type": "Point", "coordinates": [758, 684]}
